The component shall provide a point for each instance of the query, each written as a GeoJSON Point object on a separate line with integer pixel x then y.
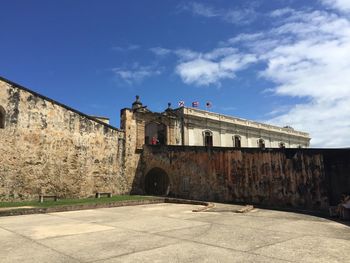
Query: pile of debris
{"type": "Point", "coordinates": [342, 210]}
{"type": "Point", "coordinates": [245, 209]}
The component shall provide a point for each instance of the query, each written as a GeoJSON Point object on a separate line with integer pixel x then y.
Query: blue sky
{"type": "Point", "coordinates": [283, 62]}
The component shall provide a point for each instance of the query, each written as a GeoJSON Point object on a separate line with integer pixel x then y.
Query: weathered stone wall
{"type": "Point", "coordinates": [133, 123]}
{"type": "Point", "coordinates": [49, 148]}
{"type": "Point", "coordinates": [273, 177]}
{"type": "Point", "coordinates": [132, 151]}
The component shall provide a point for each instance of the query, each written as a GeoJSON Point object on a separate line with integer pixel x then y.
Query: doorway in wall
{"type": "Point", "coordinates": [237, 141]}
{"type": "Point", "coordinates": [208, 138]}
{"type": "Point", "coordinates": [157, 182]}
{"type": "Point", "coordinates": [261, 143]}
{"type": "Point", "coordinates": [155, 133]}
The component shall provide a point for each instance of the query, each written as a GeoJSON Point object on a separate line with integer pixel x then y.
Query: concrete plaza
{"type": "Point", "coordinates": [172, 233]}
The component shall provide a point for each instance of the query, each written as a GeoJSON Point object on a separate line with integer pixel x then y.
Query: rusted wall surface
{"type": "Point", "coordinates": [48, 148]}
{"type": "Point", "coordinates": [274, 177]}
{"type": "Point", "coordinates": [337, 169]}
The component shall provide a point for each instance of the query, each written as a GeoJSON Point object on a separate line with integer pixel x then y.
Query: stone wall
{"type": "Point", "coordinates": [47, 147]}
{"type": "Point", "coordinates": [132, 150]}
{"type": "Point", "coordinates": [273, 177]}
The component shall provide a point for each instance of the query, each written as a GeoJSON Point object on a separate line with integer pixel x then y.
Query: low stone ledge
{"type": "Point", "coordinates": [207, 205]}
{"type": "Point", "coordinates": [184, 201]}
{"type": "Point", "coordinates": [64, 208]}
{"type": "Point", "coordinates": [205, 208]}
{"type": "Point", "coordinates": [244, 209]}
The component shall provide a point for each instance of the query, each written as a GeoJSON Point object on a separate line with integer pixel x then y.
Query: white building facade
{"type": "Point", "coordinates": [204, 128]}
{"type": "Point", "coordinates": [195, 127]}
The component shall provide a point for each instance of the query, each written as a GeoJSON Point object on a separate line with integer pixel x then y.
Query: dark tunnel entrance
{"type": "Point", "coordinates": [157, 182]}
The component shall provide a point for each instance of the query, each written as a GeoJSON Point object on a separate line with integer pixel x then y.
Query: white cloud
{"type": "Point", "coordinates": [234, 16]}
{"type": "Point", "coordinates": [201, 72]}
{"type": "Point", "coordinates": [201, 9]}
{"type": "Point", "coordinates": [130, 47]}
{"type": "Point", "coordinates": [203, 69]}
{"type": "Point", "coordinates": [159, 51]}
{"type": "Point", "coordinates": [219, 53]}
{"type": "Point", "coordinates": [307, 55]}
{"type": "Point", "coordinates": [243, 16]}
{"type": "Point", "coordinates": [136, 73]}
{"type": "Point", "coordinates": [186, 54]}
{"type": "Point", "coordinates": [341, 5]}
{"type": "Point", "coordinates": [313, 63]}
{"type": "Point", "coordinates": [242, 38]}
{"type": "Point", "coordinates": [281, 12]}
{"type": "Point", "coordinates": [327, 121]}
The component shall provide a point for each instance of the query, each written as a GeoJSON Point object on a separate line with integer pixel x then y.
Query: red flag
{"type": "Point", "coordinates": [195, 104]}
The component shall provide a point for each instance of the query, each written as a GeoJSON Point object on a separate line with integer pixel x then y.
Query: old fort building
{"type": "Point", "coordinates": [194, 127]}
{"type": "Point", "coordinates": [47, 147]}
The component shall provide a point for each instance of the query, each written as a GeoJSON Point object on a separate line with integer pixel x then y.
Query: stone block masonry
{"type": "Point", "coordinates": [49, 148]}
{"type": "Point", "coordinates": [300, 178]}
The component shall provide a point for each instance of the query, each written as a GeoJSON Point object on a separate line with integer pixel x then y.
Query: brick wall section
{"type": "Point", "coordinates": [273, 177]}
{"type": "Point", "coordinates": [49, 148]}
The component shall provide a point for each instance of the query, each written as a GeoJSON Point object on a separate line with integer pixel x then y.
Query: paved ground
{"type": "Point", "coordinates": [172, 233]}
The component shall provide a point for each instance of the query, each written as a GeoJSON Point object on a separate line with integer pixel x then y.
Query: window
{"type": "Point", "coordinates": [261, 143]}
{"type": "Point", "coordinates": [237, 141]}
{"type": "Point", "coordinates": [155, 133]}
{"type": "Point", "coordinates": [161, 134]}
{"type": "Point", "coordinates": [208, 138]}
{"type": "Point", "coordinates": [2, 118]}
{"type": "Point", "coordinates": [282, 145]}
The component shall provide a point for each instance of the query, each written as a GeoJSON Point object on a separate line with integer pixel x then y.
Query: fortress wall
{"type": "Point", "coordinates": [49, 148]}
{"type": "Point", "coordinates": [273, 177]}
{"type": "Point", "coordinates": [46, 147]}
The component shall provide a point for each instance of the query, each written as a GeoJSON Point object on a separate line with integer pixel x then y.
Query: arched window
{"type": "Point", "coordinates": [282, 145]}
{"type": "Point", "coordinates": [2, 117]}
{"type": "Point", "coordinates": [155, 133]}
{"type": "Point", "coordinates": [208, 138]}
{"type": "Point", "coordinates": [237, 141]}
{"type": "Point", "coordinates": [261, 143]}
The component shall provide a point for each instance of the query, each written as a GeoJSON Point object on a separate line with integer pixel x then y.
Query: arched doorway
{"type": "Point", "coordinates": [237, 141]}
{"type": "Point", "coordinates": [261, 143]}
{"type": "Point", "coordinates": [208, 138]}
{"type": "Point", "coordinates": [157, 182]}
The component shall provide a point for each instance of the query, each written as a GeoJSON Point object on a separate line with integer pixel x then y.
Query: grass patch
{"type": "Point", "coordinates": [66, 202]}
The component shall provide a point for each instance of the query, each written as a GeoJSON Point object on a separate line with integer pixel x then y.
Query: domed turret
{"type": "Point", "coordinates": [137, 103]}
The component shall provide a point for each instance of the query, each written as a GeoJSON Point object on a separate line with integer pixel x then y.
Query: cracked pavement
{"type": "Point", "coordinates": [172, 233]}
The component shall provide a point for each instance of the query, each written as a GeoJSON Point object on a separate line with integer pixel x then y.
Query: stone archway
{"type": "Point", "coordinates": [157, 182]}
